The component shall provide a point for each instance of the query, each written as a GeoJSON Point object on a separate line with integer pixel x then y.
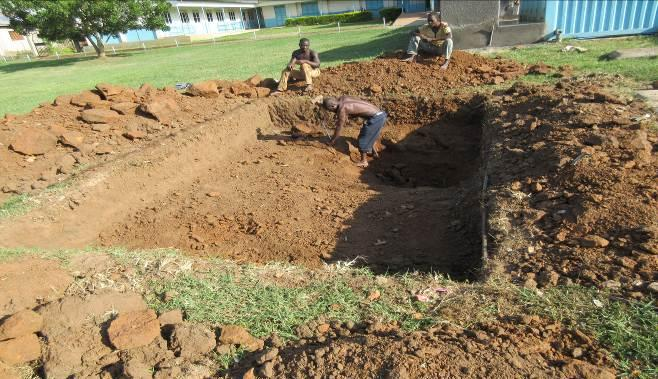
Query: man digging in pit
{"type": "Point", "coordinates": [309, 62]}
{"type": "Point", "coordinates": [435, 38]}
{"type": "Point", "coordinates": [346, 106]}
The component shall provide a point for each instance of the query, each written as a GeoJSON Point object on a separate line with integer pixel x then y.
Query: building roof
{"type": "Point", "coordinates": [230, 3]}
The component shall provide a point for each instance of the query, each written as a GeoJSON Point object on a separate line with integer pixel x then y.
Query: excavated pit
{"type": "Point", "coordinates": [285, 196]}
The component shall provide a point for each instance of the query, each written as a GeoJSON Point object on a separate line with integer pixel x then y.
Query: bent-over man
{"type": "Point", "coordinates": [309, 62]}
{"type": "Point", "coordinates": [346, 106]}
{"type": "Point", "coordinates": [435, 38]}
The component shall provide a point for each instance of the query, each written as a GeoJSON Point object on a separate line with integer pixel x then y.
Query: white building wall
{"type": "Point", "coordinates": [268, 12]}
{"type": "Point", "coordinates": [10, 47]}
{"type": "Point", "coordinates": [203, 27]}
{"type": "Point", "coordinates": [293, 10]}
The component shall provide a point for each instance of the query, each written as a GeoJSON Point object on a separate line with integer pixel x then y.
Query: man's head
{"type": "Point", "coordinates": [304, 44]}
{"type": "Point", "coordinates": [434, 19]}
{"type": "Point", "coordinates": [330, 103]}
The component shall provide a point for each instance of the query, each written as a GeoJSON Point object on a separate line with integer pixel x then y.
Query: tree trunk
{"type": "Point", "coordinates": [76, 44]}
{"type": "Point", "coordinates": [97, 44]}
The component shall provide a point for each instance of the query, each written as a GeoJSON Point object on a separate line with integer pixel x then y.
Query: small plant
{"type": "Point", "coordinates": [390, 14]}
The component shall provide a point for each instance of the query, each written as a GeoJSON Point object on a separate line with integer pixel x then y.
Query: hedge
{"type": "Point", "coordinates": [390, 14]}
{"type": "Point", "coordinates": [345, 18]}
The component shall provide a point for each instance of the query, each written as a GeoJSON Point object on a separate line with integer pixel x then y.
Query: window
{"type": "Point", "coordinates": [167, 18]}
{"type": "Point", "coordinates": [184, 17]}
{"type": "Point", "coordinates": [220, 16]}
{"type": "Point", "coordinates": [231, 15]}
{"type": "Point", "coordinates": [209, 16]}
{"type": "Point", "coordinates": [196, 16]}
{"type": "Point", "coordinates": [15, 36]}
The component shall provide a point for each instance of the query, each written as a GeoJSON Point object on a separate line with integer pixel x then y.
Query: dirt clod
{"type": "Point", "coordinates": [33, 142]}
{"type": "Point", "coordinates": [20, 350]}
{"type": "Point", "coordinates": [20, 324]}
{"type": "Point", "coordinates": [133, 329]}
{"type": "Point", "coordinates": [189, 340]}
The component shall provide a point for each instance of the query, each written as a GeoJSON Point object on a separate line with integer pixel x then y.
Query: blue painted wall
{"type": "Point", "coordinates": [140, 35]}
{"type": "Point", "coordinates": [601, 18]}
{"type": "Point", "coordinates": [532, 10]}
{"type": "Point", "coordinates": [310, 9]}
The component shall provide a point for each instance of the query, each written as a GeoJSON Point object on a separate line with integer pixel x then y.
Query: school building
{"type": "Point", "coordinates": [200, 19]}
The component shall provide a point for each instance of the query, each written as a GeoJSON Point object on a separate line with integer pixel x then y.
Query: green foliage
{"type": "Point", "coordinates": [76, 19]}
{"type": "Point", "coordinates": [15, 205]}
{"type": "Point", "coordinates": [628, 329]}
{"type": "Point", "coordinates": [390, 14]}
{"type": "Point", "coordinates": [345, 18]}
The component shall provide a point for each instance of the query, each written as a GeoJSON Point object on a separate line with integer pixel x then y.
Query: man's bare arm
{"type": "Point", "coordinates": [340, 122]}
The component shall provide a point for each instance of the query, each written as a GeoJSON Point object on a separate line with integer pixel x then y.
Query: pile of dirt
{"type": "Point", "coordinates": [574, 186]}
{"type": "Point", "coordinates": [49, 144]}
{"type": "Point", "coordinates": [513, 347]}
{"type": "Point", "coordinates": [388, 76]}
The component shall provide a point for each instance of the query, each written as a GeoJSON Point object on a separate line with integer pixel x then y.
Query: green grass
{"type": "Point", "coordinates": [640, 69]}
{"type": "Point", "coordinates": [18, 205]}
{"type": "Point", "coordinates": [629, 330]}
{"type": "Point", "coordinates": [25, 85]}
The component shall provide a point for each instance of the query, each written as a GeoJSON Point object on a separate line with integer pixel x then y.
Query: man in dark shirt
{"type": "Point", "coordinates": [309, 62]}
{"type": "Point", "coordinates": [346, 106]}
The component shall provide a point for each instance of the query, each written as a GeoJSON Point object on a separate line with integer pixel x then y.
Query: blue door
{"type": "Point", "coordinates": [310, 9]}
{"type": "Point", "coordinates": [280, 14]}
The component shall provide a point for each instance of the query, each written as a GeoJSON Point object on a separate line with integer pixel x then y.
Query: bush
{"type": "Point", "coordinates": [344, 18]}
{"type": "Point", "coordinates": [390, 14]}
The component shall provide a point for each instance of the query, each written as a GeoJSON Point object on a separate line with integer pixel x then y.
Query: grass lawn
{"type": "Point", "coordinates": [640, 69]}
{"type": "Point", "coordinates": [25, 85]}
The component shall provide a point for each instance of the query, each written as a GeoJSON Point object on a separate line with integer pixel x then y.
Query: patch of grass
{"type": "Point", "coordinates": [640, 69]}
{"type": "Point", "coordinates": [26, 84]}
{"type": "Point", "coordinates": [628, 329]}
{"type": "Point", "coordinates": [15, 206]}
{"type": "Point", "coordinates": [225, 361]}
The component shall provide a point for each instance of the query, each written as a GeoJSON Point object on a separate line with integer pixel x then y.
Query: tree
{"type": "Point", "coordinates": [58, 20]}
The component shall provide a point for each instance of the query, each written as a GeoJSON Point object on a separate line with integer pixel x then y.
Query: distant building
{"type": "Point", "coordinates": [11, 42]}
{"type": "Point", "coordinates": [201, 19]}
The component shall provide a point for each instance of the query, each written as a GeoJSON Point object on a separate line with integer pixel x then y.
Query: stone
{"type": "Point", "coordinates": [235, 335]}
{"type": "Point", "coordinates": [66, 164]}
{"type": "Point", "coordinates": [133, 329]}
{"type": "Point", "coordinates": [20, 350]}
{"type": "Point", "coordinates": [266, 370]}
{"type": "Point", "coordinates": [134, 134]}
{"type": "Point", "coordinates": [249, 374]}
{"type": "Point", "coordinates": [641, 146]}
{"type": "Point", "coordinates": [162, 109]}
{"type": "Point", "coordinates": [84, 98]}
{"type": "Point", "coordinates": [20, 324]}
{"type": "Point", "coordinates": [99, 116]}
{"type": "Point", "coordinates": [100, 104]}
{"type": "Point", "coordinates": [172, 317]}
{"type": "Point", "coordinates": [33, 142]}
{"type": "Point", "coordinates": [113, 92]}
{"type": "Point", "coordinates": [262, 91]}
{"type": "Point", "coordinates": [611, 285]}
{"type": "Point", "coordinates": [376, 88]}
{"type": "Point", "coordinates": [594, 241]}
{"type": "Point", "coordinates": [62, 100]}
{"type": "Point", "coordinates": [653, 288]}
{"type": "Point", "coordinates": [101, 127]}
{"type": "Point", "coordinates": [244, 90]}
{"type": "Point", "coordinates": [103, 149]}
{"type": "Point", "coordinates": [536, 187]}
{"type": "Point", "coordinates": [323, 328]}
{"type": "Point", "coordinates": [125, 108]}
{"type": "Point", "coordinates": [204, 89]}
{"type": "Point", "coordinates": [254, 80]}
{"type": "Point", "coordinates": [269, 355]}
{"type": "Point", "coordinates": [72, 138]}
{"type": "Point", "coordinates": [135, 369]}
{"type": "Point", "coordinates": [189, 340]}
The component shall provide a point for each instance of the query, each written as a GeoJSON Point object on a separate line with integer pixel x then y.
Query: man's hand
{"type": "Point", "coordinates": [290, 66]}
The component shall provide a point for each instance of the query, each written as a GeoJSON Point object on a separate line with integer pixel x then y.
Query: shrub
{"type": "Point", "coordinates": [330, 18]}
{"type": "Point", "coordinates": [390, 14]}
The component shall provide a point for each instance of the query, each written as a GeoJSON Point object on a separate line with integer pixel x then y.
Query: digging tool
{"type": "Point", "coordinates": [326, 132]}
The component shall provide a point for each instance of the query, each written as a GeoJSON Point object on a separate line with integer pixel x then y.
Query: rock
{"type": "Point", "coordinates": [249, 374]}
{"type": "Point", "coordinates": [376, 88]}
{"type": "Point", "coordinates": [374, 295]}
{"type": "Point", "coordinates": [33, 142]}
{"type": "Point", "coordinates": [653, 288]}
{"type": "Point", "coordinates": [242, 89]}
{"type": "Point", "coordinates": [204, 89]}
{"type": "Point", "coordinates": [234, 335]}
{"type": "Point", "coordinates": [133, 329]}
{"type": "Point", "coordinates": [134, 134]}
{"type": "Point", "coordinates": [577, 352]}
{"type": "Point", "coordinates": [262, 91]}
{"type": "Point", "coordinates": [254, 80]}
{"type": "Point", "coordinates": [84, 98]}
{"type": "Point", "coordinates": [101, 127]}
{"type": "Point", "coordinates": [62, 100]}
{"type": "Point", "coordinates": [189, 340]}
{"type": "Point", "coordinates": [323, 328]}
{"type": "Point", "coordinates": [135, 369]}
{"type": "Point", "coordinates": [99, 116]}
{"type": "Point", "coordinates": [124, 108]}
{"type": "Point", "coordinates": [20, 324]}
{"type": "Point", "coordinates": [100, 104]}
{"type": "Point", "coordinates": [20, 350]}
{"type": "Point", "coordinates": [172, 317]}
{"type": "Point", "coordinates": [66, 164]}
{"type": "Point", "coordinates": [536, 187]}
{"type": "Point", "coordinates": [115, 93]}
{"type": "Point", "coordinates": [611, 285]}
{"type": "Point", "coordinates": [641, 145]}
{"type": "Point", "coordinates": [72, 138]}
{"type": "Point", "coordinates": [163, 109]}
{"type": "Point", "coordinates": [269, 355]}
{"type": "Point", "coordinates": [266, 370]}
{"type": "Point", "coordinates": [594, 241]}
{"type": "Point", "coordinates": [103, 149]}
{"type": "Point", "coordinates": [214, 194]}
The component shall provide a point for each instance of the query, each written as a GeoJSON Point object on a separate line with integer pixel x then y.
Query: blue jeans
{"type": "Point", "coordinates": [370, 131]}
